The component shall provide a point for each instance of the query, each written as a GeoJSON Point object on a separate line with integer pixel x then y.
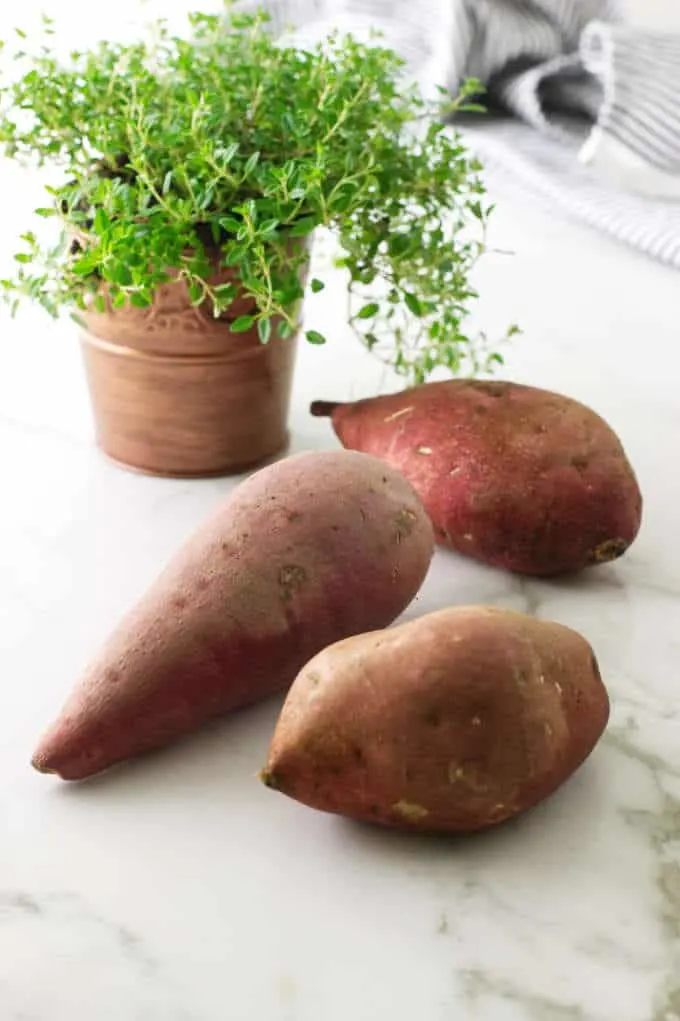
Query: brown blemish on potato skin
{"type": "Point", "coordinates": [405, 520]}
{"type": "Point", "coordinates": [491, 389]}
{"type": "Point", "coordinates": [432, 717]}
{"type": "Point", "coordinates": [409, 811]}
{"type": "Point", "coordinates": [291, 579]}
{"type": "Point", "coordinates": [607, 551]}
{"type": "Point", "coordinates": [580, 462]}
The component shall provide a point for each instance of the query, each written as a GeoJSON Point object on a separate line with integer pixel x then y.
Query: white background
{"type": "Point", "coordinates": [655, 13]}
{"type": "Point", "coordinates": [178, 888]}
{"type": "Point", "coordinates": [93, 18]}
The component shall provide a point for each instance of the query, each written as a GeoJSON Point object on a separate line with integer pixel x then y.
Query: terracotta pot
{"type": "Point", "coordinates": [176, 393]}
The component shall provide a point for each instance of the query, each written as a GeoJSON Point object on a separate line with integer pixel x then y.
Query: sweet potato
{"type": "Point", "coordinates": [455, 721]}
{"type": "Point", "coordinates": [309, 550]}
{"type": "Point", "coordinates": [520, 478]}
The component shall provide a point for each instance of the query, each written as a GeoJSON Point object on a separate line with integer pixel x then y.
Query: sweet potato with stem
{"type": "Point", "coordinates": [520, 478]}
{"type": "Point", "coordinates": [453, 722]}
{"type": "Point", "coordinates": [309, 550]}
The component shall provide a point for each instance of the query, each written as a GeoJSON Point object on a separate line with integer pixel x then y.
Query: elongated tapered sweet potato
{"type": "Point", "coordinates": [455, 721]}
{"type": "Point", "coordinates": [518, 477]}
{"type": "Point", "coordinates": [314, 548]}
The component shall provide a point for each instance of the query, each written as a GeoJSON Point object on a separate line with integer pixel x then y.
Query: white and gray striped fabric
{"type": "Point", "coordinates": [595, 103]}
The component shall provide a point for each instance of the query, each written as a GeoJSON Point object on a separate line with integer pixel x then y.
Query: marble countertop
{"type": "Point", "coordinates": [178, 888]}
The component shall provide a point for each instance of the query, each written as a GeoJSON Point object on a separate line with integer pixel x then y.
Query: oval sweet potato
{"type": "Point", "coordinates": [311, 549]}
{"type": "Point", "coordinates": [454, 722]}
{"type": "Point", "coordinates": [517, 477]}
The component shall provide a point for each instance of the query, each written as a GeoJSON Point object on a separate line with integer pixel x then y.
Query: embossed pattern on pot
{"type": "Point", "coordinates": [176, 393]}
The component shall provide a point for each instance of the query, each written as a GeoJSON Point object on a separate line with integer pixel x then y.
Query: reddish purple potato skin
{"type": "Point", "coordinates": [520, 478]}
{"type": "Point", "coordinates": [307, 551]}
{"type": "Point", "coordinates": [454, 722]}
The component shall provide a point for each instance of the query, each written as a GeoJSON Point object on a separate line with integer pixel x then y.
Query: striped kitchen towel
{"type": "Point", "coordinates": [594, 103]}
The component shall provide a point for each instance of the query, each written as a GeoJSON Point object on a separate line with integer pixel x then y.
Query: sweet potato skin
{"type": "Point", "coordinates": [520, 478]}
{"type": "Point", "coordinates": [453, 722]}
{"type": "Point", "coordinates": [311, 549]}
